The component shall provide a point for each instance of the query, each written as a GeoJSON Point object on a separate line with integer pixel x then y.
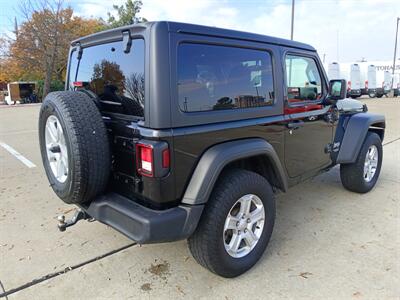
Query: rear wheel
{"type": "Point", "coordinates": [361, 176]}
{"type": "Point", "coordinates": [74, 146]}
{"type": "Point", "coordinates": [372, 95]}
{"type": "Point", "coordinates": [236, 225]}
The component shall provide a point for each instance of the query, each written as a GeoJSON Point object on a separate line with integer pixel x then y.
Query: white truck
{"type": "Point", "coordinates": [354, 84]}
{"type": "Point", "coordinates": [21, 92]}
{"type": "Point", "coordinates": [387, 82]}
{"type": "Point", "coordinates": [396, 84]}
{"type": "Point", "coordinates": [364, 79]}
{"type": "Point", "coordinates": [334, 71]}
{"type": "Point", "coordinates": [370, 83]}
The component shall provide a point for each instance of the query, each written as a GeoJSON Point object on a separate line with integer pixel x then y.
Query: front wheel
{"type": "Point", "coordinates": [236, 225]}
{"type": "Point", "coordinates": [361, 176]}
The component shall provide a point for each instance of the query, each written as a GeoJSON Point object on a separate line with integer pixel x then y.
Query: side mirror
{"type": "Point", "coordinates": [337, 89]}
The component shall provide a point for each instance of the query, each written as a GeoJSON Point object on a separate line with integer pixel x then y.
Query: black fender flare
{"type": "Point", "coordinates": [356, 130]}
{"type": "Point", "coordinates": [217, 157]}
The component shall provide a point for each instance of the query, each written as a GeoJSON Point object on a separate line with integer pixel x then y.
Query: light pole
{"type": "Point", "coordinates": [395, 50]}
{"type": "Point", "coordinates": [292, 25]}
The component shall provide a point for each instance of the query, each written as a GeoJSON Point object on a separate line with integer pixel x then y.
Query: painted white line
{"type": "Point", "coordinates": [17, 132]}
{"type": "Point", "coordinates": [17, 155]}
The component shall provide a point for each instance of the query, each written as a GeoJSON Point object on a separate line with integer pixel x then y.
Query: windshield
{"type": "Point", "coordinates": [116, 77]}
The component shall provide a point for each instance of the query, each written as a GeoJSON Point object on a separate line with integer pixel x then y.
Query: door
{"type": "Point", "coordinates": [309, 123]}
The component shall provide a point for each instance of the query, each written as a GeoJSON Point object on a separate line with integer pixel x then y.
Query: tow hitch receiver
{"type": "Point", "coordinates": [79, 215]}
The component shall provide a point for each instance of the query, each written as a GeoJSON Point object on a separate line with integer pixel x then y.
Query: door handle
{"type": "Point", "coordinates": [295, 125]}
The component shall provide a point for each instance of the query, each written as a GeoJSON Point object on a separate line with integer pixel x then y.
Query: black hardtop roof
{"type": "Point", "coordinates": [196, 29]}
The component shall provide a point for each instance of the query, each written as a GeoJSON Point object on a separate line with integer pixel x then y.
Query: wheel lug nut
{"type": "Point", "coordinates": [239, 232]}
{"type": "Point", "coordinates": [237, 224]}
{"type": "Point", "coordinates": [248, 220]}
{"type": "Point", "coordinates": [245, 230]}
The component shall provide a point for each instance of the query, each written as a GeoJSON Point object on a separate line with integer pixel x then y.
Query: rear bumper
{"type": "Point", "coordinates": [142, 224]}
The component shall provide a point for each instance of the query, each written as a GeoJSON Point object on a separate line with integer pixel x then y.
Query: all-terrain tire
{"type": "Point", "coordinates": [352, 175]}
{"type": "Point", "coordinates": [87, 145]}
{"type": "Point", "coordinates": [207, 242]}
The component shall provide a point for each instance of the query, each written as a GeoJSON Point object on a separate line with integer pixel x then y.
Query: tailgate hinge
{"type": "Point", "coordinates": [127, 41]}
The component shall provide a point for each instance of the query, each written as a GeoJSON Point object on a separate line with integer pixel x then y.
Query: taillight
{"type": "Point", "coordinates": [153, 158]}
{"type": "Point", "coordinates": [366, 84]}
{"type": "Point", "coordinates": [166, 162]}
{"type": "Point", "coordinates": [145, 159]}
{"type": "Point", "coordinates": [348, 85]}
{"type": "Point", "coordinates": [78, 84]}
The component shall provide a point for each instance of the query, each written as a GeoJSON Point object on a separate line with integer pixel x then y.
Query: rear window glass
{"type": "Point", "coordinates": [116, 77]}
{"type": "Point", "coordinates": [219, 77]}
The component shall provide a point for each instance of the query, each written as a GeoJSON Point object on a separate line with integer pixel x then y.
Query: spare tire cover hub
{"type": "Point", "coordinates": [57, 153]}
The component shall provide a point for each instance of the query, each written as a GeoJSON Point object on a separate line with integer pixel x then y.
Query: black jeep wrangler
{"type": "Point", "coordinates": [171, 131]}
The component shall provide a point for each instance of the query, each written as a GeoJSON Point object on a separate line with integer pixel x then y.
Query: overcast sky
{"type": "Point", "coordinates": [343, 30]}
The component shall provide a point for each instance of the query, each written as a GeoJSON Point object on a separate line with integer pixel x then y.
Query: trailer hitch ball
{"type": "Point", "coordinates": [61, 223]}
{"type": "Point", "coordinates": [79, 215]}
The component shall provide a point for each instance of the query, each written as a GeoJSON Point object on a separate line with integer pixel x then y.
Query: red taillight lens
{"type": "Point", "coordinates": [166, 159]}
{"type": "Point", "coordinates": [78, 84]}
{"type": "Point", "coordinates": [145, 159]}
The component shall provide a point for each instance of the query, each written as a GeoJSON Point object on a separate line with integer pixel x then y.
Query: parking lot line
{"type": "Point", "coordinates": [17, 155]}
{"type": "Point", "coordinates": [67, 269]}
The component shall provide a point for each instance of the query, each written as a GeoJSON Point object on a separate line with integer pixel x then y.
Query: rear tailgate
{"type": "Point", "coordinates": [114, 76]}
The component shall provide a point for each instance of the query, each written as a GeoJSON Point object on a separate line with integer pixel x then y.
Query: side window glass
{"type": "Point", "coordinates": [219, 77]}
{"type": "Point", "coordinates": [303, 79]}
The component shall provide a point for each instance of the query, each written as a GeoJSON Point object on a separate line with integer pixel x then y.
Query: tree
{"type": "Point", "coordinates": [108, 73]}
{"type": "Point", "coordinates": [39, 49]}
{"type": "Point", "coordinates": [224, 103]}
{"type": "Point", "coordinates": [134, 86]}
{"type": "Point", "coordinates": [127, 14]}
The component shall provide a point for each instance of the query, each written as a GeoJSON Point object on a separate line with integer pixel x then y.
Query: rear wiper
{"type": "Point", "coordinates": [127, 41]}
{"type": "Point", "coordinates": [79, 51]}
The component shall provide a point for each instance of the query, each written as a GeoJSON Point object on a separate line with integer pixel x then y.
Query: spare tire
{"type": "Point", "coordinates": [74, 146]}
